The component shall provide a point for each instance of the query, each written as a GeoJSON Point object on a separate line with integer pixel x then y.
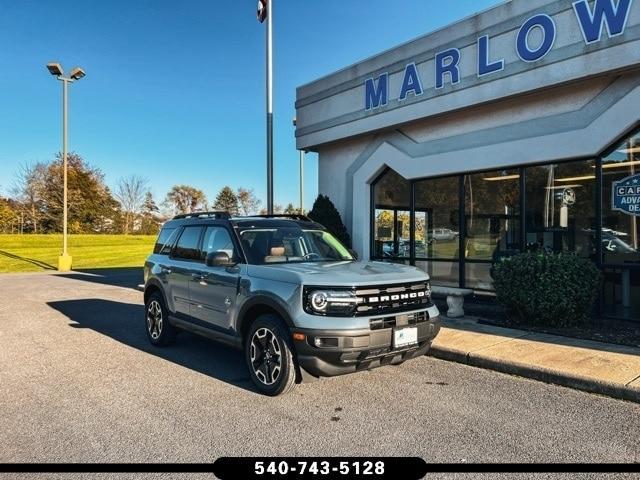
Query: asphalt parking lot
{"type": "Point", "coordinates": [80, 383]}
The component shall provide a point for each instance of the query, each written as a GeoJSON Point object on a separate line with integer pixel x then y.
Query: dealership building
{"type": "Point", "coordinates": [513, 130]}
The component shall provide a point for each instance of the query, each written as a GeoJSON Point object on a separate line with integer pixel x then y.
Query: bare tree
{"type": "Point", "coordinates": [28, 189]}
{"type": "Point", "coordinates": [130, 193]}
{"type": "Point", "coordinates": [248, 203]}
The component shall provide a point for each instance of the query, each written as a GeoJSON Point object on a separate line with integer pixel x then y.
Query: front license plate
{"type": "Point", "coordinates": [403, 337]}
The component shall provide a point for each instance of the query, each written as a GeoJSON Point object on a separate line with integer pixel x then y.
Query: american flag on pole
{"type": "Point", "coordinates": [262, 10]}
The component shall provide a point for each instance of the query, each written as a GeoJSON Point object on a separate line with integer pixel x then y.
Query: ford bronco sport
{"type": "Point", "coordinates": [288, 293]}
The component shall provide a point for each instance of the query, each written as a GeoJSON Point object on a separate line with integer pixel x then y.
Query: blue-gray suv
{"type": "Point", "coordinates": [288, 293]}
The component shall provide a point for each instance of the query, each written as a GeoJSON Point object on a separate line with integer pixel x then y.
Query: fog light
{"type": "Point", "coordinates": [321, 342]}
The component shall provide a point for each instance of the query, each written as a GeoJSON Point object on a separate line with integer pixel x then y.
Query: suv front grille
{"type": "Point", "coordinates": [392, 298]}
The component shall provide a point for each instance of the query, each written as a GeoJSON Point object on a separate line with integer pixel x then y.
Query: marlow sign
{"type": "Point", "coordinates": [626, 195]}
{"type": "Point", "coordinates": [611, 15]}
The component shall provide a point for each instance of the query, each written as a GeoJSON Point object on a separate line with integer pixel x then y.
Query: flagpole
{"type": "Point", "coordinates": [269, 108]}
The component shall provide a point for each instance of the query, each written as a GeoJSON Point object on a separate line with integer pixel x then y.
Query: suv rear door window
{"type": "Point", "coordinates": [187, 246]}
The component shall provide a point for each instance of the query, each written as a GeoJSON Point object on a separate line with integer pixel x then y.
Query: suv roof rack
{"type": "Point", "coordinates": [221, 215]}
{"type": "Point", "coordinates": [293, 216]}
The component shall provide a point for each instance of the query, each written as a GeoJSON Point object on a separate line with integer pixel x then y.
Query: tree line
{"type": "Point", "coordinates": [35, 201]}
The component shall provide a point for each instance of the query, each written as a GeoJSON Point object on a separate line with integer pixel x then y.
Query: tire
{"type": "Point", "coordinates": [269, 355]}
{"type": "Point", "coordinates": [159, 331]}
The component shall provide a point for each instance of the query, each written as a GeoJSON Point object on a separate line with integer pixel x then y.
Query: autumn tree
{"type": "Point", "coordinates": [9, 216]}
{"type": "Point", "coordinates": [186, 199]}
{"type": "Point", "coordinates": [248, 203]}
{"type": "Point", "coordinates": [91, 207]}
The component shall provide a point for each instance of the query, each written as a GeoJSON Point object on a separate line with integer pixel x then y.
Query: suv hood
{"type": "Point", "coordinates": [339, 274]}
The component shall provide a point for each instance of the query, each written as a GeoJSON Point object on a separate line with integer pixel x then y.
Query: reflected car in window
{"type": "Point", "coordinates": [443, 234]}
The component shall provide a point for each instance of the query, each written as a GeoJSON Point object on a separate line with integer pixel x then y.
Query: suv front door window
{"type": "Point", "coordinates": [213, 291]}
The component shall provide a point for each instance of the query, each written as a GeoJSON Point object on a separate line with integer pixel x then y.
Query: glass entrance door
{"type": "Point", "coordinates": [391, 235]}
{"type": "Point", "coordinates": [391, 218]}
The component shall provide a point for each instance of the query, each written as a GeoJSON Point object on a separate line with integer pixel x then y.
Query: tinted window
{"type": "Point", "coordinates": [187, 247]}
{"type": "Point", "coordinates": [164, 238]}
{"type": "Point", "coordinates": [217, 239]}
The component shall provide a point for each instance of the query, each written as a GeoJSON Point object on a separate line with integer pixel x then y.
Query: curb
{"type": "Point", "coordinates": [609, 389]}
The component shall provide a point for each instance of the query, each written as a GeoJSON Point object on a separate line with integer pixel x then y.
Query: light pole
{"type": "Point", "coordinates": [55, 69]}
{"type": "Point", "coordinates": [302, 152]}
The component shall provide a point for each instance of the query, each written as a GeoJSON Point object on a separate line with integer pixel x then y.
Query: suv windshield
{"type": "Point", "coordinates": [291, 245]}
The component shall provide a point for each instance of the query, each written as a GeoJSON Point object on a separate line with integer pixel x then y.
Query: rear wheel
{"type": "Point", "coordinates": [268, 352]}
{"type": "Point", "coordinates": [159, 331]}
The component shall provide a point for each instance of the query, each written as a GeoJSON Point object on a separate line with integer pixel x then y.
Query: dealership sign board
{"type": "Point", "coordinates": [517, 47]}
{"type": "Point", "coordinates": [598, 21]}
{"type": "Point", "coordinates": [626, 195]}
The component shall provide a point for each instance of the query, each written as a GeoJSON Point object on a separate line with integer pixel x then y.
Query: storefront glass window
{"type": "Point", "coordinates": [446, 273]}
{"type": "Point", "coordinates": [621, 229]}
{"type": "Point", "coordinates": [621, 204]}
{"type": "Point", "coordinates": [392, 195]}
{"type": "Point", "coordinates": [560, 208]}
{"type": "Point", "coordinates": [478, 275]}
{"type": "Point", "coordinates": [492, 214]}
{"type": "Point", "coordinates": [437, 211]}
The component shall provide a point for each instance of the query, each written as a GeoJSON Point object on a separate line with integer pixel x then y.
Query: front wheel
{"type": "Point", "coordinates": [268, 352]}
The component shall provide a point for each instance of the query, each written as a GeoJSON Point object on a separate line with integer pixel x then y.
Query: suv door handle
{"type": "Point", "coordinates": [165, 270]}
{"type": "Point", "coordinates": [198, 277]}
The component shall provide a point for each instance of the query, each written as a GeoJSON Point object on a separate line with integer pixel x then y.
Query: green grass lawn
{"type": "Point", "coordinates": [32, 253]}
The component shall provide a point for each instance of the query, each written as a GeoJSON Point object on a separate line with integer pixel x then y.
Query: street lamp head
{"type": "Point", "coordinates": [77, 73]}
{"type": "Point", "coordinates": [55, 69]}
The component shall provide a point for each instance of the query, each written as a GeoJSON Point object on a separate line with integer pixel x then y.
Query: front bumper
{"type": "Point", "coordinates": [348, 351]}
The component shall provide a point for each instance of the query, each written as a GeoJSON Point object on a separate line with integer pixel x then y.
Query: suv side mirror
{"type": "Point", "coordinates": [354, 254]}
{"type": "Point", "coordinates": [218, 259]}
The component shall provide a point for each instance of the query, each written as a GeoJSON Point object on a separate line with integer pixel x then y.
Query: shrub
{"type": "Point", "coordinates": [325, 213]}
{"type": "Point", "coordinates": [547, 289]}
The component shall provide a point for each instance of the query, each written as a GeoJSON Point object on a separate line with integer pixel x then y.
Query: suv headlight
{"type": "Point", "coordinates": [330, 302]}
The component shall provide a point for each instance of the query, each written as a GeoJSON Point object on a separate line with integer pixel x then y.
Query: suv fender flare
{"type": "Point", "coordinates": [262, 300]}
{"type": "Point", "coordinates": [153, 282]}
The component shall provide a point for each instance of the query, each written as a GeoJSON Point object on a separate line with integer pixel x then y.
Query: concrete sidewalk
{"type": "Point", "coordinates": [603, 368]}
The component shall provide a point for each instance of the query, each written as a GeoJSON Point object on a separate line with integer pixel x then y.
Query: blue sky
{"type": "Point", "coordinates": [175, 90]}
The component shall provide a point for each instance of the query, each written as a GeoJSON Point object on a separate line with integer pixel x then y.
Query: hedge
{"type": "Point", "coordinates": [556, 290]}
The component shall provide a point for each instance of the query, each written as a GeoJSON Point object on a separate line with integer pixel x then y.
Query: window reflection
{"type": "Point", "coordinates": [620, 230]}
{"type": "Point", "coordinates": [560, 215]}
{"type": "Point", "coordinates": [392, 224]}
{"type": "Point", "coordinates": [441, 272]}
{"type": "Point", "coordinates": [560, 208]}
{"type": "Point", "coordinates": [492, 214]}
{"type": "Point", "coordinates": [437, 210]}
